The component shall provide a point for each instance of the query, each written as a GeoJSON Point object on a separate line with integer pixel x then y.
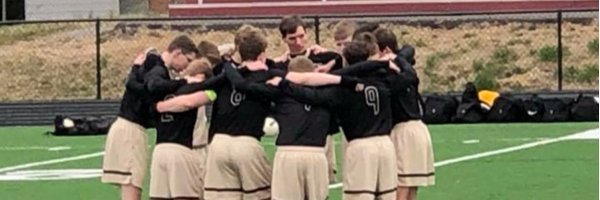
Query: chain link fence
{"type": "Point", "coordinates": [509, 52]}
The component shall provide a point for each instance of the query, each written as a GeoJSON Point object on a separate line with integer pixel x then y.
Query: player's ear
{"type": "Point", "coordinates": [262, 57]}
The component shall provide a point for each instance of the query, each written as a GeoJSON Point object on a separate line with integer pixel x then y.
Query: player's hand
{"type": "Point", "coordinates": [326, 67]}
{"type": "Point", "coordinates": [394, 67]}
{"type": "Point", "coordinates": [139, 60]}
{"type": "Point", "coordinates": [389, 56]}
{"type": "Point", "coordinates": [318, 49]}
{"type": "Point", "coordinates": [283, 57]}
{"type": "Point", "coordinates": [191, 79]}
{"type": "Point", "coordinates": [274, 81]}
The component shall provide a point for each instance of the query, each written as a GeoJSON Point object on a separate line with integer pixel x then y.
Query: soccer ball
{"type": "Point", "coordinates": [271, 127]}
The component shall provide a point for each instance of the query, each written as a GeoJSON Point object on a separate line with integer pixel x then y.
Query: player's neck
{"type": "Point", "coordinates": [255, 65]}
{"type": "Point", "coordinates": [302, 52]}
{"type": "Point", "coordinates": [166, 57]}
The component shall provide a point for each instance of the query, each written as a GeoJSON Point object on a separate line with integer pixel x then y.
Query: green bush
{"type": "Point", "coordinates": [504, 55]}
{"type": "Point", "coordinates": [592, 46]}
{"type": "Point", "coordinates": [550, 53]}
{"type": "Point", "coordinates": [588, 74]}
{"type": "Point", "coordinates": [486, 74]}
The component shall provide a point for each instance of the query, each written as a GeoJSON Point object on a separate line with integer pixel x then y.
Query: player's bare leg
{"type": "Point", "coordinates": [402, 193]}
{"type": "Point", "coordinates": [130, 192]}
{"type": "Point", "coordinates": [412, 194]}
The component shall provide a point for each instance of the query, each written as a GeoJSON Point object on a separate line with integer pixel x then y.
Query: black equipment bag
{"type": "Point", "coordinates": [76, 126]}
{"type": "Point", "coordinates": [585, 108]}
{"type": "Point", "coordinates": [556, 110]}
{"type": "Point", "coordinates": [469, 110]}
{"type": "Point", "coordinates": [506, 110]}
{"type": "Point", "coordinates": [439, 109]}
{"type": "Point", "coordinates": [533, 109]}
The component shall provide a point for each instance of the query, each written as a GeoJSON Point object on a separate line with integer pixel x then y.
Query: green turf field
{"type": "Point", "coordinates": [565, 169]}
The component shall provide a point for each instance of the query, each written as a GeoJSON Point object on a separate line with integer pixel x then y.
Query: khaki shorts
{"type": "Point", "coordinates": [414, 154]}
{"type": "Point", "coordinates": [331, 159]}
{"type": "Point", "coordinates": [237, 168]}
{"type": "Point", "coordinates": [299, 172]}
{"type": "Point", "coordinates": [125, 154]}
{"type": "Point", "coordinates": [370, 169]}
{"type": "Point", "coordinates": [175, 172]}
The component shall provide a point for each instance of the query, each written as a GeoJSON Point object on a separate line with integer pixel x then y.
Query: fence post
{"type": "Point", "coordinates": [3, 10]}
{"type": "Point", "coordinates": [98, 62]}
{"type": "Point", "coordinates": [560, 50]}
{"type": "Point", "coordinates": [317, 31]}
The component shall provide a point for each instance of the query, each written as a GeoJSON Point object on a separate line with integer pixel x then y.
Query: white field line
{"type": "Point", "coordinates": [49, 162]}
{"type": "Point", "coordinates": [504, 150]}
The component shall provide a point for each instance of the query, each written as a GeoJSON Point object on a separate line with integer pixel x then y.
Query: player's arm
{"type": "Point", "coordinates": [312, 78]}
{"type": "Point", "coordinates": [133, 83]}
{"type": "Point", "coordinates": [312, 96]}
{"type": "Point", "coordinates": [360, 68]}
{"type": "Point", "coordinates": [333, 61]}
{"type": "Point", "coordinates": [157, 82]}
{"type": "Point", "coordinates": [244, 86]}
{"type": "Point", "coordinates": [210, 83]}
{"type": "Point", "coordinates": [186, 102]}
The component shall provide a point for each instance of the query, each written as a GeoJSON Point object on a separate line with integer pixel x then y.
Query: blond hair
{"type": "Point", "coordinates": [344, 29]}
{"type": "Point", "coordinates": [301, 64]}
{"type": "Point", "coordinates": [198, 66]}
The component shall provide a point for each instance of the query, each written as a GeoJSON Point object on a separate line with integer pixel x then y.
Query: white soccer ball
{"type": "Point", "coordinates": [271, 127]}
{"type": "Point", "coordinates": [68, 123]}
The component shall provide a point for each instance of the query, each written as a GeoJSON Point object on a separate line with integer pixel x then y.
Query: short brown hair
{"type": "Point", "coordinates": [386, 38]}
{"type": "Point", "coordinates": [370, 42]}
{"type": "Point", "coordinates": [356, 51]}
{"type": "Point", "coordinates": [366, 28]}
{"type": "Point", "coordinates": [251, 44]}
{"type": "Point", "coordinates": [184, 43]}
{"type": "Point", "coordinates": [289, 24]}
{"type": "Point", "coordinates": [198, 66]}
{"type": "Point", "coordinates": [301, 64]}
{"type": "Point", "coordinates": [210, 51]}
{"type": "Point", "coordinates": [344, 29]}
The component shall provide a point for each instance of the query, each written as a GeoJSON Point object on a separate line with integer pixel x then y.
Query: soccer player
{"type": "Point", "coordinates": [365, 116]}
{"type": "Point", "coordinates": [126, 151]}
{"type": "Point", "coordinates": [342, 34]}
{"type": "Point", "coordinates": [293, 32]}
{"type": "Point", "coordinates": [411, 137]}
{"type": "Point", "coordinates": [300, 165]}
{"type": "Point", "coordinates": [202, 69]}
{"type": "Point", "coordinates": [209, 51]}
{"type": "Point", "coordinates": [242, 172]}
{"type": "Point", "coordinates": [176, 171]}
{"type": "Point", "coordinates": [164, 78]}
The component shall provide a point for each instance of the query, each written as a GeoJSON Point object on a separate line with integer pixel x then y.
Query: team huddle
{"type": "Point", "coordinates": [367, 87]}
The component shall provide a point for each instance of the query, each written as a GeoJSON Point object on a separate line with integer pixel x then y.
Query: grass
{"type": "Point", "coordinates": [548, 172]}
{"type": "Point", "coordinates": [16, 33]}
{"type": "Point", "coordinates": [565, 170]}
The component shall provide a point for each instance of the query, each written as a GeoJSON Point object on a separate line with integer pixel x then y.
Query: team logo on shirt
{"type": "Point", "coordinates": [164, 118]}
{"type": "Point", "coordinates": [307, 107]}
{"type": "Point", "coordinates": [237, 98]}
{"type": "Point", "coordinates": [372, 98]}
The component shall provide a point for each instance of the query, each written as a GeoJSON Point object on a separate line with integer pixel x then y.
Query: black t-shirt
{"type": "Point", "coordinates": [363, 110]}
{"type": "Point", "coordinates": [300, 124]}
{"type": "Point", "coordinates": [237, 113]}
